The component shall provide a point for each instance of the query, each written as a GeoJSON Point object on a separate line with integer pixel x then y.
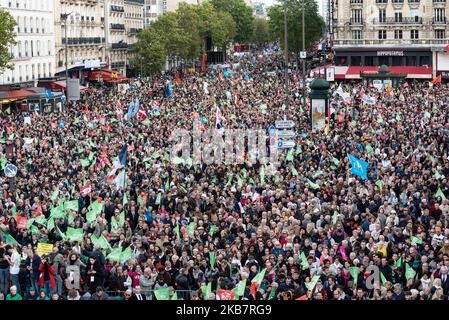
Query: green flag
{"type": "Point", "coordinates": [75, 234]}
{"type": "Point", "coordinates": [41, 220]}
{"type": "Point", "coordinates": [304, 264]}
{"type": "Point", "coordinates": [440, 194]}
{"type": "Point", "coordinates": [354, 271]}
{"type": "Point", "coordinates": [382, 278]}
{"type": "Point", "coordinates": [3, 162]}
{"type": "Point", "coordinates": [71, 205]}
{"type": "Point", "coordinates": [289, 156]}
{"type": "Point", "coordinates": [174, 296]}
{"type": "Point", "coordinates": [176, 230]}
{"type": "Point", "coordinates": [84, 163]}
{"type": "Point", "coordinates": [57, 212]}
{"type": "Point", "coordinates": [50, 224]}
{"type": "Point", "coordinates": [102, 241]}
{"type": "Point", "coordinates": [368, 148]}
{"type": "Point", "coordinates": [191, 229]}
{"type": "Point", "coordinates": [125, 199]}
{"type": "Point", "coordinates": [398, 262]}
{"type": "Point", "coordinates": [379, 184]}
{"type": "Point", "coordinates": [212, 229]}
{"type": "Point", "coordinates": [241, 288]}
{"type": "Point", "coordinates": [206, 290]}
{"type": "Point", "coordinates": [9, 239]}
{"type": "Point", "coordinates": [162, 294]}
{"type": "Point", "coordinates": [259, 277]}
{"type": "Point", "coordinates": [158, 198]}
{"type": "Point", "coordinates": [212, 258]}
{"type": "Point", "coordinates": [335, 218]}
{"type": "Point", "coordinates": [312, 283]}
{"type": "Point", "coordinates": [126, 255]}
{"type": "Point", "coordinates": [416, 240]}
{"type": "Point", "coordinates": [335, 161]}
{"type": "Point", "coordinates": [115, 254]}
{"type": "Point", "coordinates": [409, 272]}
{"type": "Point", "coordinates": [55, 194]}
{"type": "Point", "coordinates": [298, 149]}
{"type": "Point", "coordinates": [438, 175]}
{"type": "Point", "coordinates": [294, 171]}
{"type": "Point", "coordinates": [313, 185]}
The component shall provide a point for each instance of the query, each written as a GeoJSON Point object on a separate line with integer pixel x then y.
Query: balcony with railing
{"type": "Point", "coordinates": [115, 8]}
{"type": "Point", "coordinates": [119, 45]}
{"type": "Point", "coordinates": [391, 20]}
{"type": "Point", "coordinates": [134, 30]}
{"type": "Point", "coordinates": [136, 1]}
{"type": "Point", "coordinates": [441, 20]}
{"type": "Point", "coordinates": [83, 41]}
{"type": "Point", "coordinates": [356, 2]}
{"type": "Point", "coordinates": [117, 26]}
{"type": "Point", "coordinates": [381, 1]}
{"type": "Point", "coordinates": [413, 1]}
{"type": "Point", "coordinates": [356, 22]}
{"type": "Point", "coordinates": [397, 1]}
{"type": "Point", "coordinates": [439, 1]}
{"type": "Point", "coordinates": [118, 64]}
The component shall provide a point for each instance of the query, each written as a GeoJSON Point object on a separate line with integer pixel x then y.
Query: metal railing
{"type": "Point", "coordinates": [115, 8]}
{"type": "Point", "coordinates": [356, 22]}
{"type": "Point", "coordinates": [381, 1]}
{"type": "Point", "coordinates": [117, 26]}
{"type": "Point", "coordinates": [406, 20]}
{"type": "Point", "coordinates": [119, 45]}
{"type": "Point", "coordinates": [390, 42]}
{"type": "Point", "coordinates": [441, 20]}
{"type": "Point", "coordinates": [136, 1]}
{"type": "Point", "coordinates": [76, 41]}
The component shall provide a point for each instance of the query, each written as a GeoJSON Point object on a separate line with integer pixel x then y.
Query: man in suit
{"type": "Point", "coordinates": [137, 295]}
{"type": "Point", "coordinates": [444, 276]}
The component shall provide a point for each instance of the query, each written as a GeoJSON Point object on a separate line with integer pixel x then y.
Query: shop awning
{"type": "Point", "coordinates": [411, 72]}
{"type": "Point", "coordinates": [12, 95]}
{"type": "Point", "coordinates": [61, 85]}
{"type": "Point", "coordinates": [106, 75]}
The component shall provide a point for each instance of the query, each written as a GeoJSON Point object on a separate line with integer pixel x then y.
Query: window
{"type": "Point", "coordinates": [382, 34]}
{"type": "Point", "coordinates": [398, 16]}
{"type": "Point", "coordinates": [439, 15]}
{"type": "Point", "coordinates": [414, 15]}
{"type": "Point", "coordinates": [414, 34]}
{"type": "Point", "coordinates": [356, 16]}
{"type": "Point", "coordinates": [439, 34]}
{"type": "Point", "coordinates": [398, 34]}
{"type": "Point", "coordinates": [356, 34]}
{"type": "Point", "coordinates": [382, 15]}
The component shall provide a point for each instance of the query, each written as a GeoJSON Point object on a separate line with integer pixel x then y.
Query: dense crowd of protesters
{"type": "Point", "coordinates": [313, 230]}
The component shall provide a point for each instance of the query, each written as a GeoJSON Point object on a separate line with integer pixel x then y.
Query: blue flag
{"type": "Point", "coordinates": [123, 154]}
{"type": "Point", "coordinates": [130, 109]}
{"type": "Point", "coordinates": [136, 107]}
{"type": "Point", "coordinates": [227, 74]}
{"type": "Point", "coordinates": [169, 89]}
{"type": "Point", "coordinates": [359, 167]}
{"type": "Point", "coordinates": [61, 124]}
{"type": "Point", "coordinates": [48, 93]}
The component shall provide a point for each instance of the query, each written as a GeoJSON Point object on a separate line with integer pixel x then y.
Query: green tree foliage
{"type": "Point", "coordinates": [150, 52]}
{"type": "Point", "coordinates": [181, 34]}
{"type": "Point", "coordinates": [260, 35]}
{"type": "Point", "coordinates": [242, 15]}
{"type": "Point", "coordinates": [312, 20]}
{"type": "Point", "coordinates": [7, 37]}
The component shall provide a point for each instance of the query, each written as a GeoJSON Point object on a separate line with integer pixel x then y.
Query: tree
{"type": "Point", "coordinates": [313, 22]}
{"type": "Point", "coordinates": [260, 35]}
{"type": "Point", "coordinates": [7, 38]}
{"type": "Point", "coordinates": [150, 48]}
{"type": "Point", "coordinates": [242, 15]}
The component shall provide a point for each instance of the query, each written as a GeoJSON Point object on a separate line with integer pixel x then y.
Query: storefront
{"type": "Point", "coordinates": [381, 78]}
{"type": "Point", "coordinates": [441, 63]}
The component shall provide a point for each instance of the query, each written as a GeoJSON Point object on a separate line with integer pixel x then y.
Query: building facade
{"type": "Point", "coordinates": [79, 29]}
{"type": "Point", "coordinates": [34, 53]}
{"type": "Point", "coordinates": [396, 33]}
{"type": "Point", "coordinates": [153, 9]}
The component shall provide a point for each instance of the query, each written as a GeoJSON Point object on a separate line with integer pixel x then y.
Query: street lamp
{"type": "Point", "coordinates": [303, 60]}
{"type": "Point", "coordinates": [286, 54]}
{"type": "Point", "coordinates": [64, 17]}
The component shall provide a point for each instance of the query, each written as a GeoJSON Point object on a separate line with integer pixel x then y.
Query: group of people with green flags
{"type": "Point", "coordinates": [102, 207]}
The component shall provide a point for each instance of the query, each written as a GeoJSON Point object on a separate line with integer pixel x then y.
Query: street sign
{"type": "Point", "coordinates": [272, 131]}
{"type": "Point", "coordinates": [284, 124]}
{"type": "Point", "coordinates": [303, 54]}
{"type": "Point", "coordinates": [10, 170]}
{"type": "Point", "coordinates": [286, 134]}
{"type": "Point", "coordinates": [330, 74]}
{"type": "Point", "coordinates": [286, 144]}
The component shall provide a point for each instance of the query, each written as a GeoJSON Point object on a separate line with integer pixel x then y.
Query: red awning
{"type": "Point", "coordinates": [106, 75]}
{"type": "Point", "coordinates": [16, 94]}
{"type": "Point", "coordinates": [411, 72]}
{"type": "Point", "coordinates": [61, 85]}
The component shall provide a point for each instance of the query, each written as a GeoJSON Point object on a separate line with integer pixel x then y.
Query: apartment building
{"type": "Point", "coordinates": [407, 35]}
{"type": "Point", "coordinates": [34, 53]}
